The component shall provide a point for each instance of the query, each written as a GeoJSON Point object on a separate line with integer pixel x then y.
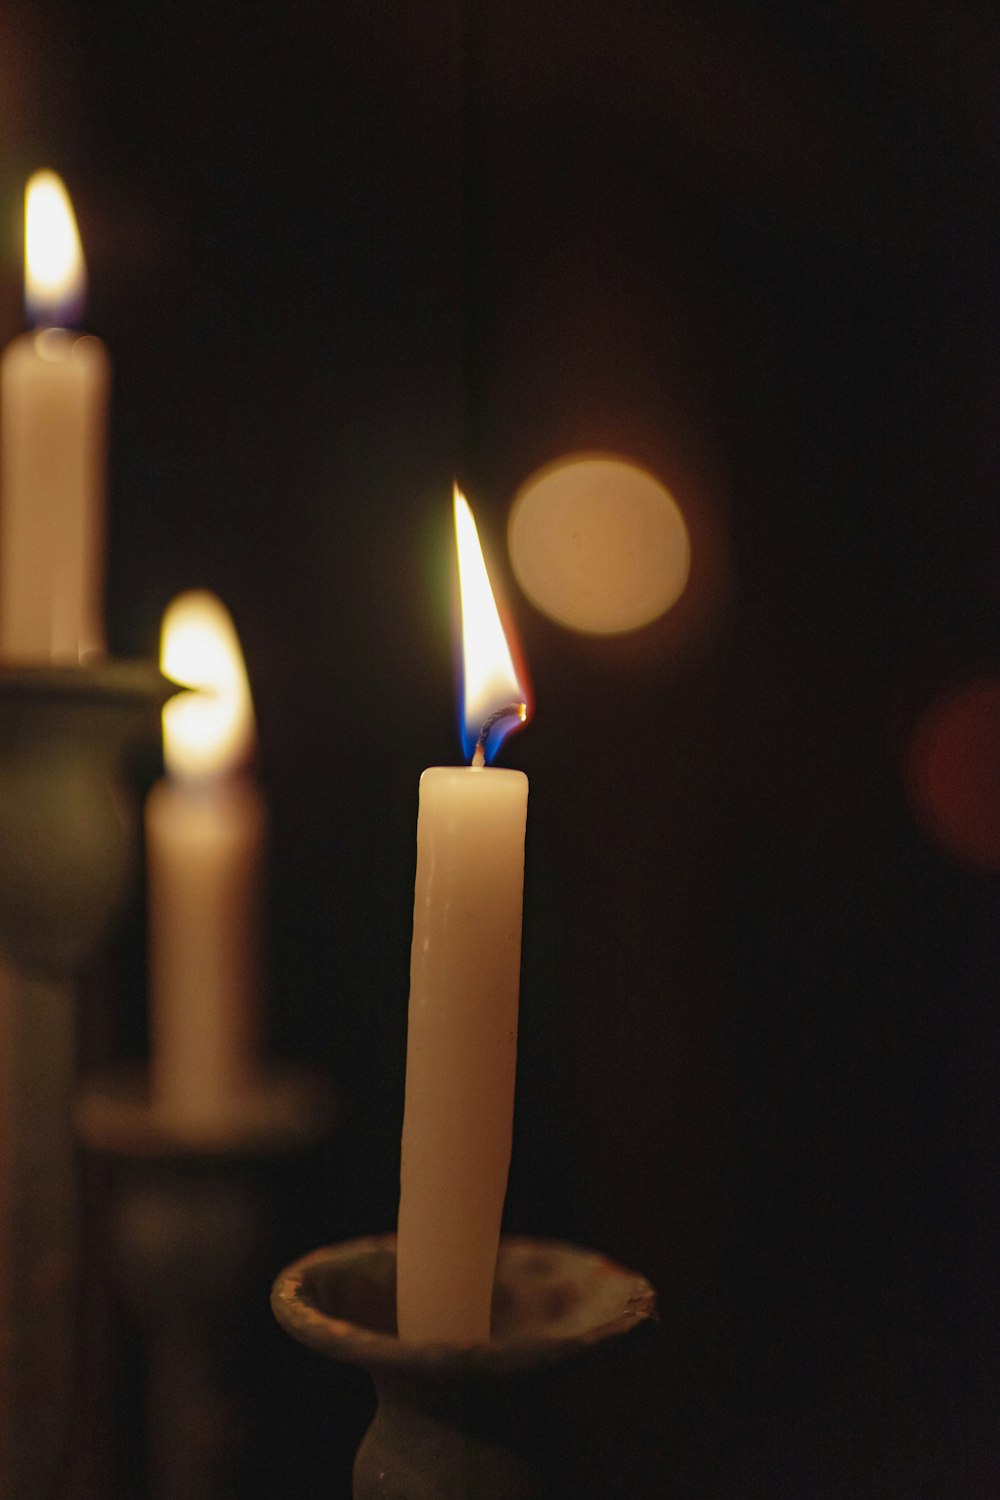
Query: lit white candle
{"type": "Point", "coordinates": [53, 419]}
{"type": "Point", "coordinates": [205, 828]}
{"type": "Point", "coordinates": [464, 979]}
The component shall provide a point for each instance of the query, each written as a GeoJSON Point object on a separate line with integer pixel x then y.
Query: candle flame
{"type": "Point", "coordinates": [55, 273]}
{"type": "Point", "coordinates": [210, 731]}
{"type": "Point", "coordinates": [494, 700]}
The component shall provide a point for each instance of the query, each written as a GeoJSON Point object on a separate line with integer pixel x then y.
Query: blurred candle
{"type": "Point", "coordinates": [204, 836]}
{"type": "Point", "coordinates": [53, 419]}
{"type": "Point", "coordinates": [464, 978]}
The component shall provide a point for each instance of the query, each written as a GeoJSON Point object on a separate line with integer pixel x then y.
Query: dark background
{"type": "Point", "coordinates": [342, 253]}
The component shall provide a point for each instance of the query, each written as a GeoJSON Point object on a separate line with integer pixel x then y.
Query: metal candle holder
{"type": "Point", "coordinates": [190, 1227]}
{"type": "Point", "coordinates": [66, 851]}
{"type": "Point", "coordinates": [456, 1423]}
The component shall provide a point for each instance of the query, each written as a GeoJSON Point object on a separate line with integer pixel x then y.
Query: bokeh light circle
{"type": "Point", "coordinates": [598, 544]}
{"type": "Point", "coordinates": [953, 772]}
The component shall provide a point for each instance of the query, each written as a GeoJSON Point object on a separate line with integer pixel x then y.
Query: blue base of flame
{"type": "Point", "coordinates": [498, 733]}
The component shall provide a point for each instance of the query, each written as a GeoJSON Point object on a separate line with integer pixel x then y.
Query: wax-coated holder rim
{"type": "Point", "coordinates": [293, 1303]}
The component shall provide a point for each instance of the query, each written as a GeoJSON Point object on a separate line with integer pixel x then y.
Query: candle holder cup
{"type": "Point", "coordinates": [458, 1423]}
{"type": "Point", "coordinates": [66, 822]}
{"type": "Point", "coordinates": [66, 849]}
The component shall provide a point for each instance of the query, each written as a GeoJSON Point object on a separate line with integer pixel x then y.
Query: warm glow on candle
{"type": "Point", "coordinates": [490, 680]}
{"type": "Point", "coordinates": [55, 274]}
{"type": "Point", "coordinates": [210, 731]}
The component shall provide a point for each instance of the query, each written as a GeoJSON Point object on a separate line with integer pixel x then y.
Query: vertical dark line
{"type": "Point", "coordinates": [472, 244]}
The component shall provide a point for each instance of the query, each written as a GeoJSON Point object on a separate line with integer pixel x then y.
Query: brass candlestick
{"type": "Point", "coordinates": [66, 850]}
{"type": "Point", "coordinates": [459, 1423]}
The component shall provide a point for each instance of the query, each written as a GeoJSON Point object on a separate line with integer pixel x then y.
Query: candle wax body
{"type": "Point", "coordinates": [53, 419]}
{"type": "Point", "coordinates": [204, 846]}
{"type": "Point", "coordinates": [461, 1049]}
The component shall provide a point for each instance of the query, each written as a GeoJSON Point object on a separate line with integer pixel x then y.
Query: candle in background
{"type": "Point", "coordinates": [53, 418]}
{"type": "Point", "coordinates": [204, 837]}
{"type": "Point", "coordinates": [464, 978]}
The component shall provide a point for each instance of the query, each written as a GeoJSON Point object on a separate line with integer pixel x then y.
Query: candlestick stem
{"type": "Point", "coordinates": [65, 861]}
{"type": "Point", "coordinates": [190, 1216]}
{"type": "Point", "coordinates": [193, 1420]}
{"type": "Point", "coordinates": [38, 1220]}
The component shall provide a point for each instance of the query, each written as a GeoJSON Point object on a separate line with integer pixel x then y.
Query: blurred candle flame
{"type": "Point", "coordinates": [210, 731]}
{"type": "Point", "coordinates": [55, 273]}
{"type": "Point", "coordinates": [490, 681]}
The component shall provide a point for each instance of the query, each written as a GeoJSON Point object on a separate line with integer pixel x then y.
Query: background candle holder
{"type": "Point", "coordinates": [460, 1423]}
{"type": "Point", "coordinates": [189, 1226]}
{"type": "Point", "coordinates": [67, 839]}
